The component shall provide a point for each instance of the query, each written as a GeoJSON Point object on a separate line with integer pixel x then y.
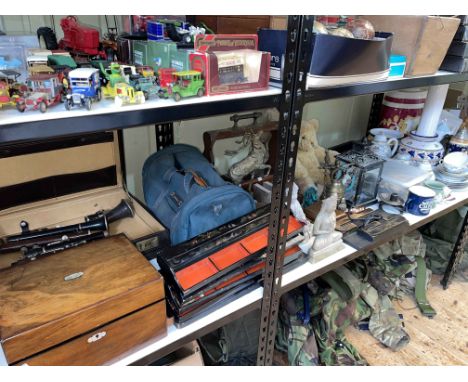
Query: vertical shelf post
{"type": "Point", "coordinates": [297, 60]}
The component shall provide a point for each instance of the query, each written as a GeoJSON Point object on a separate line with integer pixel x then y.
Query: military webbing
{"type": "Point", "coordinates": [420, 290]}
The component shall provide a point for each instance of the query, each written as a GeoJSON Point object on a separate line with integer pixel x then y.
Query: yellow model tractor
{"type": "Point", "coordinates": [125, 94]}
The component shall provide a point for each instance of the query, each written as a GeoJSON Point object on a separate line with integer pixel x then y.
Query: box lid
{"type": "Point", "coordinates": [41, 307]}
{"type": "Point", "coordinates": [57, 167]}
{"type": "Point", "coordinates": [224, 42]}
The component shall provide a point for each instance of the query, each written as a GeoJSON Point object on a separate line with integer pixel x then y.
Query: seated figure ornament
{"type": "Point", "coordinates": [320, 238]}
{"type": "Point", "coordinates": [325, 223]}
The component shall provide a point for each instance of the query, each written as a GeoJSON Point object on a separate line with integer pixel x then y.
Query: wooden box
{"type": "Point", "coordinates": [83, 306]}
{"type": "Point", "coordinates": [423, 40]}
{"type": "Point", "coordinates": [58, 183]}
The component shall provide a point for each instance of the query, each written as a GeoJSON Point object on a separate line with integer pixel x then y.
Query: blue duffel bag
{"type": "Point", "coordinates": [187, 195]}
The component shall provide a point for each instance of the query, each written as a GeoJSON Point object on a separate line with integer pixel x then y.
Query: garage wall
{"type": "Point", "coordinates": [29, 24]}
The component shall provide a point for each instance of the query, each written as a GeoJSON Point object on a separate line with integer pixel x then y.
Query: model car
{"type": "Point", "coordinates": [84, 88]}
{"type": "Point", "coordinates": [145, 71]}
{"type": "Point", "coordinates": [45, 90]}
{"type": "Point", "coordinates": [148, 85]}
{"type": "Point", "coordinates": [5, 98]}
{"type": "Point", "coordinates": [187, 83]}
{"type": "Point", "coordinates": [10, 80]}
{"type": "Point", "coordinates": [125, 94]}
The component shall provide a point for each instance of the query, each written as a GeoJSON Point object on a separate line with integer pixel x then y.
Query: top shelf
{"type": "Point", "coordinates": [105, 115]}
{"type": "Point", "coordinates": [58, 122]}
{"type": "Point", "coordinates": [362, 88]}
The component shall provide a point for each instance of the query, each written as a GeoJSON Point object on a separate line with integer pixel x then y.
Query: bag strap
{"type": "Point", "coordinates": [420, 290]}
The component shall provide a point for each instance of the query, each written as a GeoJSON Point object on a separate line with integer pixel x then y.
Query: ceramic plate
{"type": "Point", "coordinates": [389, 133]}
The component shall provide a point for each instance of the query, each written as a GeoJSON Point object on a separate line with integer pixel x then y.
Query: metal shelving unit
{"type": "Point", "coordinates": [290, 101]}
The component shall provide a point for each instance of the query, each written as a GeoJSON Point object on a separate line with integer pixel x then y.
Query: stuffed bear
{"type": "Point", "coordinates": [310, 156]}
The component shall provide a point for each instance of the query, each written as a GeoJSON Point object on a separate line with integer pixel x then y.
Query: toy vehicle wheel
{"type": "Point", "coordinates": [177, 97]}
{"type": "Point", "coordinates": [99, 94]}
{"type": "Point", "coordinates": [21, 107]}
{"type": "Point", "coordinates": [68, 104]}
{"type": "Point", "coordinates": [118, 101]}
{"type": "Point", "coordinates": [146, 94]}
{"type": "Point", "coordinates": [201, 92]}
{"type": "Point", "coordinates": [47, 38]}
{"type": "Point", "coordinates": [42, 107]}
{"type": "Point", "coordinates": [88, 103]}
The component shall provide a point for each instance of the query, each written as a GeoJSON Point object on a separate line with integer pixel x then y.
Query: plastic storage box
{"type": "Point", "coordinates": [338, 60]}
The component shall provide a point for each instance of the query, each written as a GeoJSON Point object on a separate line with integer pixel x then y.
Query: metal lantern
{"type": "Point", "coordinates": [361, 172]}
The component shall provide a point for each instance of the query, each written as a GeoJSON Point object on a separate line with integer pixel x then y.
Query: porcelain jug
{"type": "Point", "coordinates": [382, 147]}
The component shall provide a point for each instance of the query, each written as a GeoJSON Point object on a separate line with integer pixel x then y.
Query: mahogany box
{"type": "Point", "coordinates": [118, 303]}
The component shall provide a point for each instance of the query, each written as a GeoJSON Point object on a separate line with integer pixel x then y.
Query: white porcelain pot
{"type": "Point", "coordinates": [422, 151]}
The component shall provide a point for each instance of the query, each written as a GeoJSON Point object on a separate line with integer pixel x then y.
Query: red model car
{"type": "Point", "coordinates": [45, 90]}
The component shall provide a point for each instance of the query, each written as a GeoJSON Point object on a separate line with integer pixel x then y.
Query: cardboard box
{"type": "Point", "coordinates": [161, 54]}
{"type": "Point", "coordinates": [424, 40]}
{"type": "Point", "coordinates": [279, 22]}
{"type": "Point", "coordinates": [274, 41]}
{"type": "Point", "coordinates": [231, 63]}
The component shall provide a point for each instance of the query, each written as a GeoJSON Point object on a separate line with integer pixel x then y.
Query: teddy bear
{"type": "Point", "coordinates": [310, 156]}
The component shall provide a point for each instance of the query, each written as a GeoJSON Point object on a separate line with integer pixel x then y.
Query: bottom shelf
{"type": "Point", "coordinates": [439, 341]}
{"type": "Point", "coordinates": [177, 337]}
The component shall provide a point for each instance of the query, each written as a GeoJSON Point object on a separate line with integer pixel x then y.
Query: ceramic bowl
{"type": "Point", "coordinates": [456, 162]}
{"type": "Point", "coordinates": [389, 133]}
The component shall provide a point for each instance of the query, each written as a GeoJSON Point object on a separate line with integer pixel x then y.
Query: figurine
{"type": "Point", "coordinates": [310, 157]}
{"type": "Point", "coordinates": [255, 160]}
{"type": "Point", "coordinates": [324, 225]}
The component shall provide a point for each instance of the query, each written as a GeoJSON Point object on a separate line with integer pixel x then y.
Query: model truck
{"type": "Point", "coordinates": [46, 90]}
{"type": "Point", "coordinates": [84, 88]}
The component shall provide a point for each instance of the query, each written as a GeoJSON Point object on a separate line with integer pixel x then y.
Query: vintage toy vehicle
{"type": "Point", "coordinates": [185, 84]}
{"type": "Point", "coordinates": [148, 85]}
{"type": "Point", "coordinates": [145, 71]}
{"type": "Point", "coordinates": [79, 39]}
{"type": "Point", "coordinates": [46, 90]}
{"type": "Point", "coordinates": [166, 77]}
{"type": "Point", "coordinates": [110, 76]}
{"type": "Point", "coordinates": [38, 64]}
{"type": "Point", "coordinates": [125, 94]}
{"type": "Point", "coordinates": [85, 87]}
{"type": "Point", "coordinates": [10, 80]}
{"type": "Point", "coordinates": [5, 98]}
